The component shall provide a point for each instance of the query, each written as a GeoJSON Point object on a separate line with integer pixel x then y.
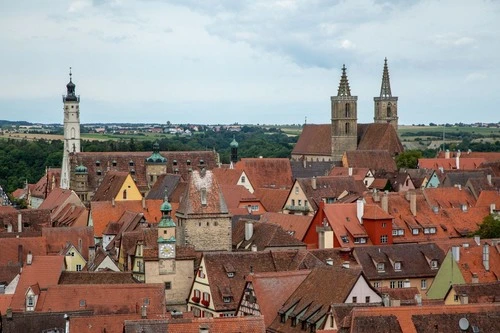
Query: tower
{"type": "Point", "coordinates": [386, 106]}
{"type": "Point", "coordinates": [344, 119]}
{"type": "Point", "coordinates": [156, 165]}
{"type": "Point", "coordinates": [71, 104]}
{"type": "Point", "coordinates": [166, 240]}
{"type": "Point", "coordinates": [234, 151]}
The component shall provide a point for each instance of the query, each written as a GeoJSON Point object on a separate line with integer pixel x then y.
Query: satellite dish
{"type": "Point", "coordinates": [464, 324]}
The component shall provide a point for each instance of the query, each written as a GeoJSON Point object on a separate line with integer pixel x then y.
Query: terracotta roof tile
{"type": "Point", "coordinates": [488, 292]}
{"type": "Point", "coordinates": [309, 169]}
{"type": "Point", "coordinates": [5, 300]}
{"type": "Point", "coordinates": [450, 163]}
{"type": "Point", "coordinates": [105, 323]}
{"type": "Point", "coordinates": [40, 189]}
{"type": "Point", "coordinates": [234, 195]}
{"type": "Point", "coordinates": [357, 173]}
{"type": "Point", "coordinates": [272, 199]}
{"type": "Point", "coordinates": [264, 236]}
{"type": "Point", "coordinates": [471, 263]}
{"type": "Point", "coordinates": [58, 239]}
{"type": "Point", "coordinates": [10, 249]}
{"type": "Point", "coordinates": [32, 220]}
{"type": "Point", "coordinates": [373, 159]}
{"type": "Point", "coordinates": [488, 156]}
{"type": "Point", "coordinates": [227, 176]}
{"type": "Point", "coordinates": [110, 186]}
{"type": "Point", "coordinates": [295, 224]}
{"type": "Point", "coordinates": [267, 172]}
{"type": "Point", "coordinates": [248, 324]}
{"type": "Point", "coordinates": [342, 218]}
{"type": "Point", "coordinates": [314, 140]}
{"type": "Point", "coordinates": [167, 182]}
{"type": "Point", "coordinates": [486, 198]}
{"type": "Point", "coordinates": [103, 277]}
{"type": "Point", "coordinates": [378, 136]}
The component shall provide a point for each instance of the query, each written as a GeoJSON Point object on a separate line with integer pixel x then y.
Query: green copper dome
{"type": "Point", "coordinates": [234, 143]}
{"type": "Point", "coordinates": [156, 156]}
{"type": "Point", "coordinates": [81, 169]}
{"type": "Point", "coordinates": [166, 207]}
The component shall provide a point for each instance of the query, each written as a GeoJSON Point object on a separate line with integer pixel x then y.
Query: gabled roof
{"type": "Point", "coordinates": [8, 273]}
{"type": "Point", "coordinates": [414, 260]}
{"type": "Point", "coordinates": [40, 189]}
{"type": "Point", "coordinates": [234, 195]}
{"type": "Point", "coordinates": [488, 156]}
{"type": "Point", "coordinates": [460, 177]}
{"type": "Point", "coordinates": [372, 159]}
{"type": "Point", "coordinates": [488, 292]}
{"type": "Point", "coordinates": [267, 172]}
{"type": "Point", "coordinates": [308, 169]}
{"type": "Point", "coordinates": [357, 173]}
{"type": "Point", "coordinates": [272, 199]}
{"type": "Point", "coordinates": [227, 176]}
{"type": "Point", "coordinates": [314, 140]}
{"type": "Point", "coordinates": [272, 289]}
{"type": "Point", "coordinates": [12, 248]}
{"type": "Point", "coordinates": [32, 220]}
{"type": "Point", "coordinates": [248, 324]}
{"type": "Point", "coordinates": [58, 239]}
{"type": "Point", "coordinates": [92, 278]}
{"type": "Point", "coordinates": [167, 182]}
{"type": "Point", "coordinates": [342, 218]}
{"type": "Point", "coordinates": [471, 263]}
{"type": "Point", "coordinates": [329, 187]}
{"type": "Point", "coordinates": [294, 224]}
{"type": "Point", "coordinates": [103, 212]}
{"type": "Point", "coordinates": [379, 136]}
{"type": "Point", "coordinates": [486, 198]}
{"type": "Point", "coordinates": [110, 186]}
{"type": "Point", "coordinates": [264, 236]}
{"type": "Point", "coordinates": [245, 262]}
{"type": "Point", "coordinates": [450, 163]}
{"type": "Point", "coordinates": [56, 198]}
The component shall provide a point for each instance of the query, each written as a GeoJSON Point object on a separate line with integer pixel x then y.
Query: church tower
{"type": "Point", "coordinates": [166, 240]}
{"type": "Point", "coordinates": [344, 119]}
{"type": "Point", "coordinates": [71, 104]}
{"type": "Point", "coordinates": [234, 151]}
{"type": "Point", "coordinates": [386, 106]}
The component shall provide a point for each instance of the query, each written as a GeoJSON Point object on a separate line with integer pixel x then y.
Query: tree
{"type": "Point", "coordinates": [408, 159]}
{"type": "Point", "coordinates": [490, 228]}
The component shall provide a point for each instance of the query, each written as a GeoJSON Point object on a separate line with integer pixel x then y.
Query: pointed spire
{"type": "Point", "coordinates": [344, 89]}
{"type": "Point", "coordinates": [385, 89]}
{"type": "Point", "coordinates": [70, 74]}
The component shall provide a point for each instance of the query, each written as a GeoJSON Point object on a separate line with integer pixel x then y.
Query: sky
{"type": "Point", "coordinates": [248, 61]}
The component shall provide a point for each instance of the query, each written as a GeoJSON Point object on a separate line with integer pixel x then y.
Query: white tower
{"type": "Point", "coordinates": [71, 130]}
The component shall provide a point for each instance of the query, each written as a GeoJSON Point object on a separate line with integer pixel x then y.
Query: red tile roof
{"type": "Point", "coordinates": [9, 249]}
{"type": "Point", "coordinates": [248, 324]}
{"type": "Point", "coordinates": [272, 199]}
{"type": "Point", "coordinates": [488, 156]}
{"type": "Point", "coordinates": [226, 176]}
{"type": "Point", "coordinates": [102, 323]}
{"type": "Point", "coordinates": [379, 136]}
{"type": "Point", "coordinates": [267, 172]}
{"type": "Point", "coordinates": [314, 140]}
{"type": "Point", "coordinates": [450, 163]}
{"type": "Point", "coordinates": [486, 198]}
{"type": "Point", "coordinates": [5, 301]}
{"type": "Point", "coordinates": [234, 195]}
{"type": "Point", "coordinates": [373, 159]}
{"type": "Point", "coordinates": [264, 236]}
{"type": "Point", "coordinates": [342, 218]}
{"type": "Point", "coordinates": [110, 186]}
{"type": "Point", "coordinates": [471, 263]}
{"type": "Point", "coordinates": [40, 189]}
{"type": "Point", "coordinates": [357, 173]}
{"type": "Point", "coordinates": [296, 224]}
{"type": "Point", "coordinates": [58, 239]}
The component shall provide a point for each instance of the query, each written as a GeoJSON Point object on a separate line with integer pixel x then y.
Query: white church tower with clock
{"type": "Point", "coordinates": [71, 104]}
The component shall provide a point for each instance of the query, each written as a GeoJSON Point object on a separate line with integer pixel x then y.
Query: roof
{"type": "Point", "coordinates": [180, 162]}
{"type": "Point", "coordinates": [414, 259]}
{"type": "Point", "coordinates": [102, 277]}
{"type": "Point", "coordinates": [56, 198]}
{"type": "Point", "coordinates": [5, 300]}
{"type": "Point", "coordinates": [488, 156]}
{"type": "Point", "coordinates": [203, 195]}
{"type": "Point", "coordinates": [105, 323]}
{"type": "Point", "coordinates": [110, 186]}
{"type": "Point", "coordinates": [314, 140]}
{"type": "Point", "coordinates": [9, 249]}
{"type": "Point", "coordinates": [409, 319]}
{"type": "Point", "coordinates": [373, 159]}
{"type": "Point", "coordinates": [379, 136]}
{"type": "Point", "coordinates": [53, 177]}
{"type": "Point", "coordinates": [167, 182]}
{"type": "Point", "coordinates": [242, 263]}
{"type": "Point", "coordinates": [308, 169]}
{"type": "Point", "coordinates": [294, 224]}
{"type": "Point", "coordinates": [329, 187]}
{"type": "Point", "coordinates": [450, 163]}
{"type": "Point", "coordinates": [58, 238]}
{"type": "Point", "coordinates": [486, 198]}
{"type": "Point", "coordinates": [248, 324]}
{"type": "Point", "coordinates": [405, 295]}
{"type": "Point", "coordinates": [272, 199]}
{"type": "Point", "coordinates": [8, 273]}
{"type": "Point", "coordinates": [272, 289]}
{"type": "Point", "coordinates": [356, 173]}
{"type": "Point", "coordinates": [471, 263]}
{"type": "Point", "coordinates": [103, 212]}
{"type": "Point", "coordinates": [234, 195]}
{"type": "Point", "coordinates": [227, 176]}
{"type": "Point", "coordinates": [267, 172]}
{"type": "Point", "coordinates": [264, 236]}
{"type": "Point", "coordinates": [38, 322]}
{"type": "Point", "coordinates": [32, 220]}
{"type": "Point", "coordinates": [488, 292]}
{"type": "Point", "coordinates": [44, 271]}
{"type": "Point", "coordinates": [104, 298]}
{"type": "Point", "coordinates": [460, 177]}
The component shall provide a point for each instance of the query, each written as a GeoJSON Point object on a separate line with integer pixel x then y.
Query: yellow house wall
{"type": "Point", "coordinates": [450, 300]}
{"type": "Point", "coordinates": [296, 195]}
{"type": "Point", "coordinates": [133, 192]}
{"type": "Point", "coordinates": [72, 261]}
{"type": "Point", "coordinates": [413, 283]}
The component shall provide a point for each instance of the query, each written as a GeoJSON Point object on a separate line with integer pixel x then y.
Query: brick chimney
{"type": "Point", "coordinates": [413, 203]}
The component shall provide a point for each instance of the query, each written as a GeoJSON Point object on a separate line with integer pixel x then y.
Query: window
{"type": "Point", "coordinates": [206, 297]}
{"type": "Point", "coordinates": [400, 284]}
{"type": "Point", "coordinates": [432, 230]}
{"type": "Point", "coordinates": [197, 293]}
{"type": "Point", "coordinates": [392, 285]}
{"type": "Point", "coordinates": [354, 299]}
{"type": "Point", "coordinates": [230, 274]}
{"type": "Point", "coordinates": [31, 300]}
{"type": "Point", "coordinates": [377, 284]}
{"type": "Point", "coordinates": [174, 162]}
{"type": "Point", "coordinates": [226, 299]}
{"type": "Point", "coordinates": [296, 190]}
{"type": "Point", "coordinates": [196, 312]}
{"type": "Point", "coordinates": [380, 267]}
{"type": "Point", "coordinates": [201, 274]}
{"type": "Point", "coordinates": [456, 298]}
{"type": "Point", "coordinates": [202, 162]}
{"type": "Point", "coordinates": [300, 202]}
{"type": "Point", "coordinates": [383, 239]}
{"type": "Point", "coordinates": [347, 129]}
{"type": "Point", "coordinates": [397, 266]}
{"type": "Point", "coordinates": [305, 203]}
{"type": "Point", "coordinates": [243, 179]}
{"type": "Point", "coordinates": [423, 284]}
{"type": "Point", "coordinates": [401, 232]}
{"type": "Point", "coordinates": [282, 318]}
{"type": "Point", "coordinates": [188, 162]}
{"type": "Point", "coordinates": [434, 264]}
{"type": "Point", "coordinates": [384, 224]}
{"type": "Point", "coordinates": [389, 112]}
{"type": "Point", "coordinates": [99, 172]}
{"type": "Point", "coordinates": [97, 163]}
{"type": "Point", "coordinates": [124, 194]}
{"type": "Point", "coordinates": [131, 163]}
{"type": "Point", "coordinates": [78, 268]}
{"type": "Point", "coordinates": [415, 231]}
{"type": "Point", "coordinates": [347, 110]}
{"type": "Point", "coordinates": [83, 303]}
{"type": "Point", "coordinates": [293, 202]}
{"type": "Point", "coordinates": [367, 299]}
{"type": "Point", "coordinates": [114, 163]}
{"type": "Point", "coordinates": [394, 232]}
{"type": "Point", "coordinates": [344, 239]}
{"type": "Point", "coordinates": [146, 301]}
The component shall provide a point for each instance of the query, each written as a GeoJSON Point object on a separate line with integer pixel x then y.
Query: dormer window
{"type": "Point", "coordinates": [227, 299]}
{"type": "Point", "coordinates": [380, 267]}
{"type": "Point", "coordinates": [174, 162]}
{"type": "Point", "coordinates": [202, 162]}
{"type": "Point", "coordinates": [114, 163]}
{"type": "Point", "coordinates": [30, 302]}
{"type": "Point", "coordinates": [131, 163]}
{"type": "Point", "coordinates": [82, 303]}
{"type": "Point", "coordinates": [97, 163]}
{"type": "Point", "coordinates": [344, 239]}
{"type": "Point", "coordinates": [99, 172]}
{"type": "Point", "coordinates": [397, 266]}
{"type": "Point", "coordinates": [230, 274]}
{"type": "Point", "coordinates": [415, 231]}
{"type": "Point", "coordinates": [188, 162]}
{"type": "Point", "coordinates": [434, 264]}
{"type": "Point", "coordinates": [243, 179]}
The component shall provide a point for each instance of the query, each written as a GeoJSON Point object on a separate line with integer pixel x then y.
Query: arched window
{"type": "Point", "coordinates": [389, 111]}
{"type": "Point", "coordinates": [347, 128]}
{"type": "Point", "coordinates": [347, 109]}
{"type": "Point", "coordinates": [72, 132]}
{"type": "Point", "coordinates": [124, 194]}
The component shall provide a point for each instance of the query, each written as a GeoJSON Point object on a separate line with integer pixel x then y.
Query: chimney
{"type": "Point", "coordinates": [447, 154]}
{"type": "Point", "coordinates": [413, 203]}
{"type": "Point", "coordinates": [488, 178]}
{"type": "Point", "coordinates": [29, 258]}
{"type": "Point", "coordinates": [143, 203]}
{"type": "Point", "coordinates": [376, 195]}
{"type": "Point", "coordinates": [144, 312]}
{"type": "Point", "coordinates": [113, 202]}
{"type": "Point", "coordinates": [91, 254]}
{"type": "Point", "coordinates": [385, 300]}
{"type": "Point", "coordinates": [459, 187]}
{"type": "Point", "coordinates": [20, 254]}
{"type": "Point", "coordinates": [248, 230]}
{"type": "Point", "coordinates": [19, 222]}
{"type": "Point", "coordinates": [493, 207]}
{"type": "Point", "coordinates": [360, 210]}
{"type": "Point", "coordinates": [66, 319]}
{"type": "Point", "coordinates": [253, 248]}
{"type": "Point", "coordinates": [418, 299]}
{"type": "Point", "coordinates": [349, 171]}
{"type": "Point", "coordinates": [385, 202]}
{"type": "Point", "coordinates": [464, 299]}
{"type": "Point", "coordinates": [313, 183]}
{"type": "Point", "coordinates": [486, 257]}
{"type": "Point", "coordinates": [304, 163]}
{"type": "Point", "coordinates": [475, 278]}
{"type": "Point", "coordinates": [455, 252]}
{"type": "Point", "coordinates": [458, 160]}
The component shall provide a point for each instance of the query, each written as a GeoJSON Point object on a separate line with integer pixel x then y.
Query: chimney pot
{"type": "Point", "coordinates": [313, 183]}
{"type": "Point", "coordinates": [360, 210]}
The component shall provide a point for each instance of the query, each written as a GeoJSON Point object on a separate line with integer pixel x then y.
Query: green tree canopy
{"type": "Point", "coordinates": [490, 228]}
{"type": "Point", "coordinates": [408, 159]}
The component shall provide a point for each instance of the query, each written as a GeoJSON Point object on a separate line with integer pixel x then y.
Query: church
{"type": "Point", "coordinates": [329, 142]}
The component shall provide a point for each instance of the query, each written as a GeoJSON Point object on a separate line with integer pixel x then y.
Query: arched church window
{"type": "Point", "coordinates": [72, 132]}
{"type": "Point", "coordinates": [347, 109]}
{"type": "Point", "coordinates": [389, 111]}
{"type": "Point", "coordinates": [347, 128]}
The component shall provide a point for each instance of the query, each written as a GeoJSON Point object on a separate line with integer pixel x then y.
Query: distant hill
{"type": "Point", "coordinates": [14, 123]}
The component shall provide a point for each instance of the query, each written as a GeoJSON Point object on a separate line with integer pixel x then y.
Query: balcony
{"type": "Point", "coordinates": [293, 208]}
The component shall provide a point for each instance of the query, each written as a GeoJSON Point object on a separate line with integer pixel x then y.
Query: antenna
{"type": "Point", "coordinates": [463, 323]}
{"type": "Point", "coordinates": [305, 121]}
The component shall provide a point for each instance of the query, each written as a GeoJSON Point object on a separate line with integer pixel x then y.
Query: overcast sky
{"type": "Point", "coordinates": [255, 61]}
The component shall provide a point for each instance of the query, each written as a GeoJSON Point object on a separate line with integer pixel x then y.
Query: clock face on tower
{"type": "Point", "coordinates": [167, 250]}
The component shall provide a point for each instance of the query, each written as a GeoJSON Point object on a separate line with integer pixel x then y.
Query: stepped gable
{"type": "Point", "coordinates": [378, 136]}
{"type": "Point", "coordinates": [180, 162]}
{"type": "Point", "coordinates": [191, 203]}
{"type": "Point", "coordinates": [372, 159]}
{"type": "Point", "coordinates": [167, 182]}
{"type": "Point", "coordinates": [267, 172]}
{"type": "Point", "coordinates": [296, 225]}
{"type": "Point", "coordinates": [110, 186]}
{"type": "Point", "coordinates": [314, 140]}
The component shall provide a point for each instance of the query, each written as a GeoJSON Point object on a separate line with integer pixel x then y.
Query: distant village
{"type": "Point", "coordinates": [334, 238]}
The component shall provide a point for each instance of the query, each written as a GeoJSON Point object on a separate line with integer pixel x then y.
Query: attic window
{"type": "Point", "coordinates": [188, 162]}
{"type": "Point", "coordinates": [132, 172]}
{"type": "Point", "coordinates": [243, 179]}
{"type": "Point", "coordinates": [99, 172]}
{"type": "Point", "coordinates": [114, 163]}
{"type": "Point", "coordinates": [146, 301]}
{"type": "Point", "coordinates": [97, 163]}
{"type": "Point", "coordinates": [131, 163]}
{"type": "Point", "coordinates": [230, 274]}
{"type": "Point", "coordinates": [226, 299]}
{"type": "Point", "coordinates": [344, 239]}
{"type": "Point", "coordinates": [397, 266]}
{"type": "Point", "coordinates": [415, 231]}
{"type": "Point", "coordinates": [202, 162]}
{"type": "Point", "coordinates": [434, 264]}
{"type": "Point", "coordinates": [174, 162]}
{"type": "Point", "coordinates": [83, 303]}
{"type": "Point", "coordinates": [380, 267]}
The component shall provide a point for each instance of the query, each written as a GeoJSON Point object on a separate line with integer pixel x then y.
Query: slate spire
{"type": "Point", "coordinates": [385, 89]}
{"type": "Point", "coordinates": [344, 89]}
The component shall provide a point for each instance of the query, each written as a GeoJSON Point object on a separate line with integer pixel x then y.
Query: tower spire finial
{"type": "Point", "coordinates": [344, 89]}
{"type": "Point", "coordinates": [385, 89]}
{"type": "Point", "coordinates": [70, 74]}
